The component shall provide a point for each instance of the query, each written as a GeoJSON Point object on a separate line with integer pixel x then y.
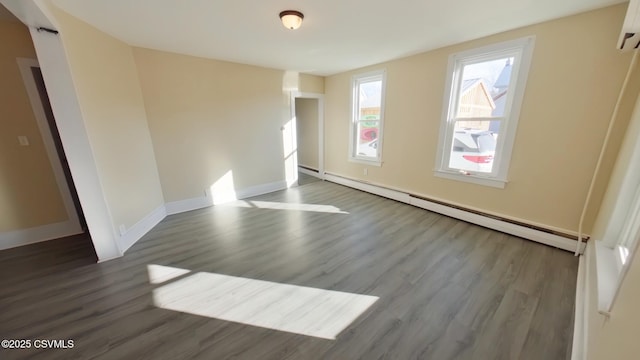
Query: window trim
{"type": "Point", "coordinates": [616, 250]}
{"type": "Point", "coordinates": [353, 124]}
{"type": "Point", "coordinates": [522, 48]}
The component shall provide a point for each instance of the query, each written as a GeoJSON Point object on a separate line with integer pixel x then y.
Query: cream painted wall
{"type": "Point", "coordinates": [209, 117]}
{"type": "Point", "coordinates": [307, 122]}
{"type": "Point", "coordinates": [311, 83]}
{"type": "Point", "coordinates": [29, 195]}
{"type": "Point", "coordinates": [110, 98]}
{"type": "Point", "coordinates": [575, 77]}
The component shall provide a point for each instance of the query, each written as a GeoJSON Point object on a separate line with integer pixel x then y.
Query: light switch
{"type": "Point", "coordinates": [23, 140]}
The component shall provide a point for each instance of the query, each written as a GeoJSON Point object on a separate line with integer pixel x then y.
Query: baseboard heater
{"type": "Point", "coordinates": [309, 171]}
{"type": "Point", "coordinates": [535, 233]}
{"type": "Point", "coordinates": [307, 168]}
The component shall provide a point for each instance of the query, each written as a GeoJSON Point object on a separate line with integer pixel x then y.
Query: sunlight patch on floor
{"type": "Point", "coordinates": [159, 273]}
{"type": "Point", "coordinates": [286, 206]}
{"type": "Point", "coordinates": [290, 308]}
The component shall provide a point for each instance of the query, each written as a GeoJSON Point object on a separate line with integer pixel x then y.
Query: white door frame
{"type": "Point", "coordinates": [63, 97]}
{"type": "Point", "coordinates": [37, 106]}
{"type": "Point", "coordinates": [320, 97]}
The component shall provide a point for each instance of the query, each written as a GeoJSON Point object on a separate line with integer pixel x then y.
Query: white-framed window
{"type": "Point", "coordinates": [365, 144]}
{"type": "Point", "coordinates": [483, 94]}
{"type": "Point", "coordinates": [616, 250]}
{"type": "Point", "coordinates": [629, 233]}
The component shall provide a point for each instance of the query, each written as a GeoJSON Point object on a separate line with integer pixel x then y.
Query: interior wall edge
{"type": "Point", "coordinates": [141, 228]}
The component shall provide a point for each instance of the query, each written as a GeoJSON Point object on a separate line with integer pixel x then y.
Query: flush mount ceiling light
{"type": "Point", "coordinates": [291, 19]}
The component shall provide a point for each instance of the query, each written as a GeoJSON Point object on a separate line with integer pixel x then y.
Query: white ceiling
{"type": "Point", "coordinates": [336, 35]}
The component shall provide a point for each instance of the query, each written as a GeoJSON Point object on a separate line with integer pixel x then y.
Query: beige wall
{"type": "Point", "coordinates": [311, 84]}
{"type": "Point", "coordinates": [29, 195]}
{"type": "Point", "coordinates": [575, 77]}
{"type": "Point", "coordinates": [307, 132]}
{"type": "Point", "coordinates": [209, 117]}
{"type": "Point", "coordinates": [110, 98]}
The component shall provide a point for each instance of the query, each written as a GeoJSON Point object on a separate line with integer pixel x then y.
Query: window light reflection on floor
{"type": "Point", "coordinates": [159, 274]}
{"type": "Point", "coordinates": [284, 307]}
{"type": "Point", "coordinates": [286, 206]}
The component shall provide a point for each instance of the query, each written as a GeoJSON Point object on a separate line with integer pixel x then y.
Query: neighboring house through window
{"type": "Point", "coordinates": [367, 118]}
{"type": "Point", "coordinates": [483, 94]}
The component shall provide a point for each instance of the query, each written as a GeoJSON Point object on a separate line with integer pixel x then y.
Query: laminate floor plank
{"type": "Point", "coordinates": [304, 179]}
{"type": "Point", "coordinates": [437, 288]}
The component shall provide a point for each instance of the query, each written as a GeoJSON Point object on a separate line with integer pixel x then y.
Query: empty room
{"type": "Point", "coordinates": [319, 179]}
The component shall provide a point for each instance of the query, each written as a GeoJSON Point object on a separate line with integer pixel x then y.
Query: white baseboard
{"type": "Point", "coordinates": [11, 239]}
{"type": "Point", "coordinates": [180, 206]}
{"type": "Point", "coordinates": [134, 233]}
{"type": "Point", "coordinates": [581, 315]}
{"type": "Point", "coordinates": [478, 219]}
{"type": "Point", "coordinates": [377, 190]}
{"type": "Point", "coordinates": [109, 259]}
{"type": "Point", "coordinates": [261, 189]}
{"type": "Point", "coordinates": [310, 172]}
{"type": "Point", "coordinates": [137, 231]}
{"type": "Point", "coordinates": [176, 207]}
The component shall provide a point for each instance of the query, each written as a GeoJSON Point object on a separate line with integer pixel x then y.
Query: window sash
{"type": "Point", "coordinates": [521, 51]}
{"type": "Point", "coordinates": [359, 106]}
{"type": "Point", "coordinates": [357, 120]}
{"type": "Point", "coordinates": [357, 140]}
{"type": "Point", "coordinates": [489, 118]}
{"type": "Point", "coordinates": [454, 107]}
{"type": "Point", "coordinates": [362, 119]}
{"type": "Point", "coordinates": [365, 120]}
{"type": "Point", "coordinates": [446, 161]}
{"type": "Point", "coordinates": [631, 228]}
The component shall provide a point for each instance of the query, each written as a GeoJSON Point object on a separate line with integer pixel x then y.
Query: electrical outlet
{"type": "Point", "coordinates": [366, 171]}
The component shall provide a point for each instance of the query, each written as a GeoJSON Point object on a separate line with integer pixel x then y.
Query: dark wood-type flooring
{"type": "Point", "coordinates": [47, 257]}
{"type": "Point", "coordinates": [447, 289]}
{"type": "Point", "coordinates": [304, 179]}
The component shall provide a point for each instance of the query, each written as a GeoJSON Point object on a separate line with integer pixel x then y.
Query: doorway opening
{"type": "Point", "coordinates": [55, 136]}
{"type": "Point", "coordinates": [308, 111]}
{"type": "Point", "coordinates": [75, 242]}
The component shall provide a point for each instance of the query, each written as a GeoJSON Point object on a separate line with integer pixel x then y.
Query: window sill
{"type": "Point", "coordinates": [496, 183]}
{"type": "Point", "coordinates": [365, 161]}
{"type": "Point", "coordinates": [608, 274]}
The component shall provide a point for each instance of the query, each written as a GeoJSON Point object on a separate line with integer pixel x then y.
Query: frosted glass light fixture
{"type": "Point", "coordinates": [291, 19]}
